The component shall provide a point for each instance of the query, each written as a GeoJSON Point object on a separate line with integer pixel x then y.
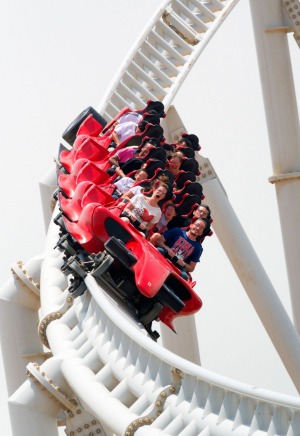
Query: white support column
{"type": "Point", "coordinates": [254, 279]}
{"type": "Point", "coordinates": [31, 413]}
{"type": "Point", "coordinates": [178, 343]}
{"type": "Point", "coordinates": [270, 27]}
{"type": "Point", "coordinates": [19, 305]}
{"type": "Point", "coordinates": [35, 405]}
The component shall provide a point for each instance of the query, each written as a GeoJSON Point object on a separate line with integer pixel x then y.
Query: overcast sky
{"type": "Point", "coordinates": [58, 58]}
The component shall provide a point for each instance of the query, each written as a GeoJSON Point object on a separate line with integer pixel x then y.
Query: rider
{"type": "Point", "coordinates": [143, 211]}
{"type": "Point", "coordinates": [183, 246]}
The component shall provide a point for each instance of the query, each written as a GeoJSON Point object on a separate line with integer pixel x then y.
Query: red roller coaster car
{"type": "Point", "coordinates": [100, 243]}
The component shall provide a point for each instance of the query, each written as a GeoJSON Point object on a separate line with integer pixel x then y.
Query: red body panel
{"type": "Point", "coordinates": [90, 126]}
{"type": "Point", "coordinates": [151, 270]}
{"type": "Point", "coordinates": [88, 149]}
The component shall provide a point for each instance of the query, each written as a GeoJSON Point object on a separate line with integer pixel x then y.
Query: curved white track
{"type": "Point", "coordinates": [111, 368]}
{"type": "Point", "coordinates": [165, 53]}
{"type": "Point", "coordinates": [107, 375]}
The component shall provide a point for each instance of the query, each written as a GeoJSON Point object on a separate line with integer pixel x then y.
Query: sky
{"type": "Point", "coordinates": [58, 58]}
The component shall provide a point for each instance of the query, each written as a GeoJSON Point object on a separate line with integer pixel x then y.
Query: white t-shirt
{"type": "Point", "coordinates": [136, 189]}
{"type": "Point", "coordinates": [130, 116]}
{"type": "Point", "coordinates": [143, 211]}
{"type": "Point", "coordinates": [125, 130]}
{"type": "Point", "coordinates": [123, 185]}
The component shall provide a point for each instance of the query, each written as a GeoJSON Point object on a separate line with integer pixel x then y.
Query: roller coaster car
{"type": "Point", "coordinates": [138, 272]}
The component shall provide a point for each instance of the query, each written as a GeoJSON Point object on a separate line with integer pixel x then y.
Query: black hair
{"type": "Point", "coordinates": [169, 204]}
{"type": "Point", "coordinates": [207, 229]}
{"type": "Point", "coordinates": [208, 210]}
{"type": "Point", "coordinates": [185, 141]}
{"type": "Point", "coordinates": [152, 112]}
{"type": "Point", "coordinates": [142, 125]}
{"type": "Point", "coordinates": [152, 141]}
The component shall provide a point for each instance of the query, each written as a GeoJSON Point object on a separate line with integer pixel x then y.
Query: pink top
{"type": "Point", "coordinates": [125, 154]}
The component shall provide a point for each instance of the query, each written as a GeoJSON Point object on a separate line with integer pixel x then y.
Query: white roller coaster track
{"type": "Point", "coordinates": [165, 53]}
{"type": "Point", "coordinates": [103, 371]}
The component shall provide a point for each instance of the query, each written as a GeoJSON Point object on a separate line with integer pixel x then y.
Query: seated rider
{"type": "Point", "coordinates": [124, 155]}
{"type": "Point", "coordinates": [126, 183]}
{"type": "Point", "coordinates": [169, 212]}
{"type": "Point", "coordinates": [138, 188]}
{"type": "Point", "coordinates": [142, 211]}
{"type": "Point", "coordinates": [183, 246]}
{"type": "Point", "coordinates": [125, 130]}
{"type": "Point", "coordinates": [135, 117]}
{"type": "Point", "coordinates": [174, 162]}
{"type": "Point", "coordinates": [202, 211]}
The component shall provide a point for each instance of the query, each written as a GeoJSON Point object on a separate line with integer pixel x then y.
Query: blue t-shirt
{"type": "Point", "coordinates": [185, 248]}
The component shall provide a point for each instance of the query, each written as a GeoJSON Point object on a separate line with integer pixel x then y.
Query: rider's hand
{"type": "Point", "coordinates": [171, 253]}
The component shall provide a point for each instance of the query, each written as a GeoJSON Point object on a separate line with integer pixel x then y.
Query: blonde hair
{"type": "Point", "coordinates": [177, 155]}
